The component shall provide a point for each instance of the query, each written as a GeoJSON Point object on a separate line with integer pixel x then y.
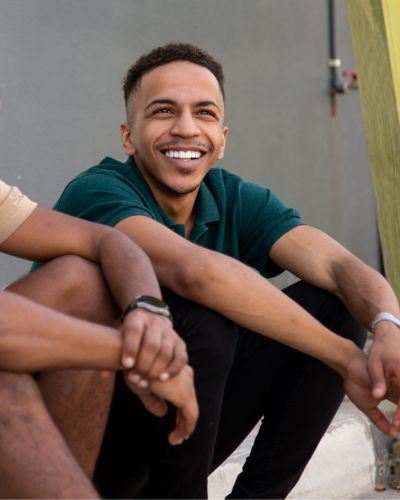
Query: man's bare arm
{"type": "Point", "coordinates": [35, 338]}
{"type": "Point", "coordinates": [242, 295]}
{"type": "Point", "coordinates": [47, 234]}
{"type": "Point", "coordinates": [321, 260]}
{"type": "Point", "coordinates": [325, 263]}
{"type": "Point", "coordinates": [234, 290]}
{"type": "Point", "coordinates": [150, 343]}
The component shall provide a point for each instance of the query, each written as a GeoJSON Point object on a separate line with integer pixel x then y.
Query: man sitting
{"type": "Point", "coordinates": [213, 240]}
{"type": "Point", "coordinates": [101, 273]}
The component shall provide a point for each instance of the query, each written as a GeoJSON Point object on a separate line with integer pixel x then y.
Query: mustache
{"type": "Point", "coordinates": [181, 142]}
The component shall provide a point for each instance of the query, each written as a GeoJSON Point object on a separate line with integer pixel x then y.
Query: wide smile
{"type": "Point", "coordinates": [183, 155]}
{"type": "Point", "coordinates": [187, 158]}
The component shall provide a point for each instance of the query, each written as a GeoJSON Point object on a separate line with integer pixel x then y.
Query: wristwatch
{"type": "Point", "coordinates": [148, 303]}
{"type": "Point", "coordinates": [384, 316]}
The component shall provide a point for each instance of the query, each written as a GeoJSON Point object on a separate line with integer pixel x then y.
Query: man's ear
{"type": "Point", "coordinates": [222, 149]}
{"type": "Point", "coordinates": [127, 138]}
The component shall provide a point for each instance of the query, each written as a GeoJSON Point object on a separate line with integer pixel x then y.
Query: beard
{"type": "Point", "coordinates": [172, 190]}
{"type": "Point", "coordinates": [166, 188]}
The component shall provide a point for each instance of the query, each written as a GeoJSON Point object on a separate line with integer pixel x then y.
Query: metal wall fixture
{"type": "Point", "coordinates": [339, 83]}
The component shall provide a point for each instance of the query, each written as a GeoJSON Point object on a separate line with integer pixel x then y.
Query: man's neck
{"type": "Point", "coordinates": [181, 209]}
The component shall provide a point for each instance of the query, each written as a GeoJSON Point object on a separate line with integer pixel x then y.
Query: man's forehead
{"type": "Point", "coordinates": [178, 79]}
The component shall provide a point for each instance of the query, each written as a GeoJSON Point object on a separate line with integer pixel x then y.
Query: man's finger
{"type": "Point", "coordinates": [153, 404]}
{"type": "Point", "coordinates": [132, 337]}
{"type": "Point", "coordinates": [162, 361]}
{"type": "Point", "coordinates": [396, 418]}
{"type": "Point", "coordinates": [379, 419]}
{"type": "Point", "coordinates": [186, 420]}
{"type": "Point", "coordinates": [149, 349]}
{"type": "Point", "coordinates": [183, 429]}
{"type": "Point", "coordinates": [179, 434]}
{"type": "Point", "coordinates": [190, 413]}
{"type": "Point", "coordinates": [179, 360]}
{"type": "Point", "coordinates": [377, 376]}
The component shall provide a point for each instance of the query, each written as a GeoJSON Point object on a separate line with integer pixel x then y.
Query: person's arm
{"type": "Point", "coordinates": [150, 343]}
{"type": "Point", "coordinates": [242, 295]}
{"type": "Point", "coordinates": [234, 290]}
{"type": "Point", "coordinates": [35, 338]}
{"type": "Point", "coordinates": [324, 262]}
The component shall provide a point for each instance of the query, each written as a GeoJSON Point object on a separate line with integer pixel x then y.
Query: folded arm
{"type": "Point", "coordinates": [47, 234]}
{"type": "Point", "coordinates": [151, 345]}
{"type": "Point", "coordinates": [35, 338]}
{"type": "Point", "coordinates": [242, 295]}
{"type": "Point", "coordinates": [234, 290]}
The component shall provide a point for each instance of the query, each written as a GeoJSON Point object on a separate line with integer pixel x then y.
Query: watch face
{"type": "Point", "coordinates": [153, 301]}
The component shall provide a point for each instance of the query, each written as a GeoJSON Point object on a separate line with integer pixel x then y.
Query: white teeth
{"type": "Point", "coordinates": [183, 154]}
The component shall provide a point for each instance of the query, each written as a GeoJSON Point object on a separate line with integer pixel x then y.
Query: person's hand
{"type": "Point", "coordinates": [384, 358]}
{"type": "Point", "coordinates": [384, 364]}
{"type": "Point", "coordinates": [358, 387]}
{"type": "Point", "coordinates": [151, 349]}
{"type": "Point", "coordinates": [178, 390]}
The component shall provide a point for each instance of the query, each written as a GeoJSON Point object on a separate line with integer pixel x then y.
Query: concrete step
{"type": "Point", "coordinates": [343, 466]}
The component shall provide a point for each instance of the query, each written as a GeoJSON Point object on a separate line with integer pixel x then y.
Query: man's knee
{"type": "Point", "coordinates": [74, 275]}
{"type": "Point", "coordinates": [18, 392]}
{"type": "Point", "coordinates": [72, 285]}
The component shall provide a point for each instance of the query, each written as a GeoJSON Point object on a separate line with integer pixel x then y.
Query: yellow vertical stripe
{"type": "Point", "coordinates": [375, 31]}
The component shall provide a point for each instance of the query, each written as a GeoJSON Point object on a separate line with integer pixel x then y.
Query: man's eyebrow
{"type": "Point", "coordinates": [207, 103]}
{"type": "Point", "coordinates": [160, 101]}
{"type": "Point", "coordinates": [172, 102]}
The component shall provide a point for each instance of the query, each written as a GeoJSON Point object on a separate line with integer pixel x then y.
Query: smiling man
{"type": "Point", "coordinates": [214, 239]}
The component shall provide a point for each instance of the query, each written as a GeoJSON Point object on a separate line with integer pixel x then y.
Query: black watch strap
{"type": "Point", "coordinates": [148, 303]}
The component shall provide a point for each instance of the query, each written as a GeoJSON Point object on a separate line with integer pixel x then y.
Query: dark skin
{"type": "Point", "coordinates": [178, 108]}
{"type": "Point", "coordinates": [39, 332]}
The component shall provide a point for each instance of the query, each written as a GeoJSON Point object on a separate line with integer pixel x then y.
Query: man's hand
{"type": "Point", "coordinates": [179, 391]}
{"type": "Point", "coordinates": [151, 349]}
{"type": "Point", "coordinates": [384, 366]}
{"type": "Point", "coordinates": [358, 387]}
{"type": "Point", "coordinates": [383, 358]}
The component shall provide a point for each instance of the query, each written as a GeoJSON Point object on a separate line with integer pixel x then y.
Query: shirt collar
{"type": "Point", "coordinates": [207, 208]}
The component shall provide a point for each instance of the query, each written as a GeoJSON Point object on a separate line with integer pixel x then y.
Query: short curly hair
{"type": "Point", "coordinates": [173, 51]}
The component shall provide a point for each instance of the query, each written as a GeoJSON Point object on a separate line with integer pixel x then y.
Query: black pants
{"type": "Point", "coordinates": [240, 377]}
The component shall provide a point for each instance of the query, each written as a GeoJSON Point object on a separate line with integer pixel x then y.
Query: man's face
{"type": "Point", "coordinates": [175, 129]}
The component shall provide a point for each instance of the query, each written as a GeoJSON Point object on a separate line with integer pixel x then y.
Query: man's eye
{"type": "Point", "coordinates": [162, 110]}
{"type": "Point", "coordinates": [206, 112]}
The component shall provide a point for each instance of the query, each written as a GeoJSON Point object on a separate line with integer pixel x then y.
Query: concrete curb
{"type": "Point", "coordinates": [343, 466]}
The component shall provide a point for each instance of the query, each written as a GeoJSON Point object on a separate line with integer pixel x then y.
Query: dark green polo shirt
{"type": "Point", "coordinates": [238, 218]}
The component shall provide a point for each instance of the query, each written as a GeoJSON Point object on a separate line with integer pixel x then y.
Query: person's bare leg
{"type": "Point", "coordinates": [78, 400]}
{"type": "Point", "coordinates": [35, 460]}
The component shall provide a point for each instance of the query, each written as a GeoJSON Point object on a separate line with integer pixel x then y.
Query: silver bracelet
{"type": "Point", "coordinates": [384, 316]}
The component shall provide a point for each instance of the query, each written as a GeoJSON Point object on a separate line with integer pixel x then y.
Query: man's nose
{"type": "Point", "coordinates": [185, 125]}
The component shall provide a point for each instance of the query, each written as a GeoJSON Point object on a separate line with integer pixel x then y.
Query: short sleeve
{"type": "Point", "coordinates": [15, 208]}
{"type": "Point", "coordinates": [99, 197]}
{"type": "Point", "coordinates": [264, 218]}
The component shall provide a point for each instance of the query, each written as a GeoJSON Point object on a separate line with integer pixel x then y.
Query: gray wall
{"type": "Point", "coordinates": [61, 66]}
